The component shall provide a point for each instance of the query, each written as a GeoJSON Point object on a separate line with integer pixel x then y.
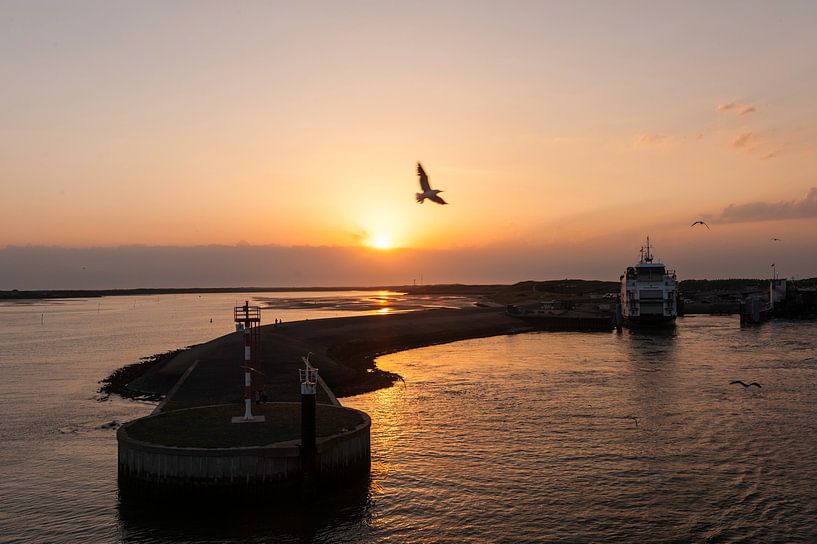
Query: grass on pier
{"type": "Point", "coordinates": [211, 427]}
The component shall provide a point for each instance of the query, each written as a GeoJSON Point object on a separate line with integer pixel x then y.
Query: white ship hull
{"type": "Point", "coordinates": [649, 293]}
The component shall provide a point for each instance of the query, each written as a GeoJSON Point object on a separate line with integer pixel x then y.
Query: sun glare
{"type": "Point", "coordinates": [380, 241]}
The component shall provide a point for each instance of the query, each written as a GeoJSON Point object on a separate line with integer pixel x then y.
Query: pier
{"type": "Point", "coordinates": [190, 442]}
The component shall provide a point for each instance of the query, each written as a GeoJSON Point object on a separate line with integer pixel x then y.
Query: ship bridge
{"type": "Point", "coordinates": [649, 291]}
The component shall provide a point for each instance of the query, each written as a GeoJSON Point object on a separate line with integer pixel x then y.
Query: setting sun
{"type": "Point", "coordinates": [380, 241]}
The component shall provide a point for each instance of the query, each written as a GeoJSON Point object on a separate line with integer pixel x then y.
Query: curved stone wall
{"type": "Point", "coordinates": [153, 470]}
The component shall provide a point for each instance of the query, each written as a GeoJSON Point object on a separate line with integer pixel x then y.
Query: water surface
{"type": "Point", "coordinates": [537, 437]}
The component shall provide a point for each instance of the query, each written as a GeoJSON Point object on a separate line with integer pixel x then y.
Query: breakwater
{"type": "Point", "coordinates": [190, 443]}
{"type": "Point", "coordinates": [343, 350]}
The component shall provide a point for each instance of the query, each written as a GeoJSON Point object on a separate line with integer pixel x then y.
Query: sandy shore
{"type": "Point", "coordinates": [343, 349]}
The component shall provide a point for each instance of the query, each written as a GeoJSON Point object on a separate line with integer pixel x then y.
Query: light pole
{"type": "Point", "coordinates": [249, 318]}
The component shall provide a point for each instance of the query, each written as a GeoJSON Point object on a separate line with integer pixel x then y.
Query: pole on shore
{"type": "Point", "coordinates": [247, 318]}
{"type": "Point", "coordinates": [247, 367]}
{"type": "Point", "coordinates": [309, 380]}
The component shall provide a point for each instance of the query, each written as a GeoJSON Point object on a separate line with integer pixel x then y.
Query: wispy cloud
{"type": "Point", "coordinates": [746, 141]}
{"type": "Point", "coordinates": [775, 152]}
{"type": "Point", "coordinates": [651, 139]}
{"type": "Point", "coordinates": [771, 211]}
{"type": "Point", "coordinates": [758, 145]}
{"type": "Point", "coordinates": [736, 108]}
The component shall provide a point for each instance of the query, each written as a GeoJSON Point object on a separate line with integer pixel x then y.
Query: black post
{"type": "Point", "coordinates": [309, 378]}
{"type": "Point", "coordinates": [307, 430]}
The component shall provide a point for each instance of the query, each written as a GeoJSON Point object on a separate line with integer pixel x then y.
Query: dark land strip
{"type": "Point", "coordinates": [343, 349]}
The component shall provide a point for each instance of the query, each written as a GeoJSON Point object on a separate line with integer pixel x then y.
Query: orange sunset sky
{"type": "Point", "coordinates": [567, 131]}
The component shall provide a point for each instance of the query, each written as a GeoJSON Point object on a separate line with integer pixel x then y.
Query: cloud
{"type": "Point", "coordinates": [651, 139]}
{"type": "Point", "coordinates": [745, 141]}
{"type": "Point", "coordinates": [775, 152]}
{"type": "Point", "coordinates": [771, 211]}
{"type": "Point", "coordinates": [39, 267]}
{"type": "Point", "coordinates": [752, 143]}
{"type": "Point", "coordinates": [736, 107]}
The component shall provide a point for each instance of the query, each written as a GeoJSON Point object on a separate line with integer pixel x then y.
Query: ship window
{"type": "Point", "coordinates": [650, 273]}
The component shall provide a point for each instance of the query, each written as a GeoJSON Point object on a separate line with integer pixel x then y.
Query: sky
{"type": "Point", "coordinates": [562, 134]}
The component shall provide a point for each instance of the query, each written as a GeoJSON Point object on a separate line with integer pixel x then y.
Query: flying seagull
{"type": "Point", "coordinates": [745, 384]}
{"type": "Point", "coordinates": [700, 223]}
{"type": "Point", "coordinates": [777, 240]}
{"type": "Point", "coordinates": [428, 192]}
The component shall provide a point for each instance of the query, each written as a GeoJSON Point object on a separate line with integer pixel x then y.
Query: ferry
{"type": "Point", "coordinates": [649, 293]}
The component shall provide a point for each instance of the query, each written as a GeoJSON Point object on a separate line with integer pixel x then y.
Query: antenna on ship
{"type": "Point", "coordinates": [646, 253]}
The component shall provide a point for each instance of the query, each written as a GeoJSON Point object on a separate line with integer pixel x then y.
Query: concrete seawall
{"type": "Point", "coordinates": [186, 450]}
{"type": "Point", "coordinates": [154, 470]}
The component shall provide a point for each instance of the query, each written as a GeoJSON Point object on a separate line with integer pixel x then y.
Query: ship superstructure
{"type": "Point", "coordinates": [649, 292]}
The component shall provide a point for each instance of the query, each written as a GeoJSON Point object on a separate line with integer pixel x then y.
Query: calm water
{"type": "Point", "coordinates": [530, 438]}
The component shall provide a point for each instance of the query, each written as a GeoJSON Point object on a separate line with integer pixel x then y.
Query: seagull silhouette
{"type": "Point", "coordinates": [745, 384]}
{"type": "Point", "coordinates": [700, 223]}
{"type": "Point", "coordinates": [428, 192]}
{"type": "Point", "coordinates": [777, 239]}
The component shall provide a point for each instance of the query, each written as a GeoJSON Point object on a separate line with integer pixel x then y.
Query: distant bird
{"type": "Point", "coordinates": [745, 384]}
{"type": "Point", "coordinates": [777, 239]}
{"type": "Point", "coordinates": [700, 223]}
{"type": "Point", "coordinates": [428, 192]}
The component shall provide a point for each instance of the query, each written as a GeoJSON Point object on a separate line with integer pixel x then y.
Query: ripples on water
{"type": "Point", "coordinates": [568, 436]}
{"type": "Point", "coordinates": [530, 438]}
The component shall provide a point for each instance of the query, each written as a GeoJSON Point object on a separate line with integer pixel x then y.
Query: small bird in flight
{"type": "Point", "coordinates": [777, 239]}
{"type": "Point", "coordinates": [428, 192]}
{"type": "Point", "coordinates": [745, 384]}
{"type": "Point", "coordinates": [700, 223]}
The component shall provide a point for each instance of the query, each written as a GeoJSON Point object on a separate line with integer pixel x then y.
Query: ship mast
{"type": "Point", "coordinates": [646, 252]}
